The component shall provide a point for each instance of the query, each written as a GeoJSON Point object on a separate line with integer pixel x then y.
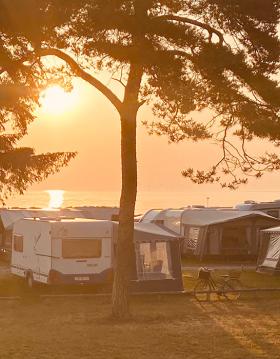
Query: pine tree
{"type": "Point", "coordinates": [21, 83]}
{"type": "Point", "coordinates": [179, 56]}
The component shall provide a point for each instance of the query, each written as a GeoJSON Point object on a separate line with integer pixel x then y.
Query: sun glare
{"type": "Point", "coordinates": [55, 100]}
{"type": "Point", "coordinates": [56, 199]}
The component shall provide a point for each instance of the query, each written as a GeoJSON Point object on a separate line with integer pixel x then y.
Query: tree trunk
{"type": "Point", "coordinates": [125, 254]}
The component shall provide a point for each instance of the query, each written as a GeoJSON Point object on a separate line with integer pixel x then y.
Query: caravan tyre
{"type": "Point", "coordinates": [29, 280]}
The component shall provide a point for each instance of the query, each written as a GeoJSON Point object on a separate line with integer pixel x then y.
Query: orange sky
{"type": "Point", "coordinates": [91, 127]}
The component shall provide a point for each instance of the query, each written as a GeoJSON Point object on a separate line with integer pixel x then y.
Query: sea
{"type": "Point", "coordinates": [145, 199]}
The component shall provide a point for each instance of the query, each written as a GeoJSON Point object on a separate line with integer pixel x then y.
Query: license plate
{"type": "Point", "coordinates": [81, 278]}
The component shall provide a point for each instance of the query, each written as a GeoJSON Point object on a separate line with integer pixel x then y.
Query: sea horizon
{"type": "Point", "coordinates": [145, 199]}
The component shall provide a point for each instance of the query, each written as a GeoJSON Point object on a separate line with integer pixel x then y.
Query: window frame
{"type": "Point", "coordinates": [18, 246]}
{"type": "Point", "coordinates": [64, 241]}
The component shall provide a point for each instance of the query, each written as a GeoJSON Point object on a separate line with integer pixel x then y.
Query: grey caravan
{"type": "Point", "coordinates": [269, 255]}
{"type": "Point", "coordinates": [216, 232]}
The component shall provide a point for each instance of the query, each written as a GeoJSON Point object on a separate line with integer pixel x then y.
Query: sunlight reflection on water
{"type": "Point", "coordinates": [56, 198]}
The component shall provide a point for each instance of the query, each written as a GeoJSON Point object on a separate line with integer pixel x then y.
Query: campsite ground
{"type": "Point", "coordinates": [14, 286]}
{"type": "Point", "coordinates": [249, 278]}
{"type": "Point", "coordinates": [162, 327]}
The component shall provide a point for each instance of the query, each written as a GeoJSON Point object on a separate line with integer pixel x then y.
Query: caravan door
{"type": "Point", "coordinates": [42, 251]}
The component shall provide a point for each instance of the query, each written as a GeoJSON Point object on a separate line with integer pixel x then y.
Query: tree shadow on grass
{"type": "Point", "coordinates": [161, 327]}
{"type": "Point", "coordinates": [182, 326]}
{"type": "Point", "coordinates": [251, 325]}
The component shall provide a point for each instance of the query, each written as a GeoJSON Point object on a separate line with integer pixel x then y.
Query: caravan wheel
{"type": "Point", "coordinates": [29, 280]}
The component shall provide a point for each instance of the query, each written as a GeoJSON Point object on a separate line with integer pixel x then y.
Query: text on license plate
{"type": "Point", "coordinates": [81, 278]}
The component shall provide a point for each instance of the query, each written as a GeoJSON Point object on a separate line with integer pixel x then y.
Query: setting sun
{"type": "Point", "coordinates": [55, 100]}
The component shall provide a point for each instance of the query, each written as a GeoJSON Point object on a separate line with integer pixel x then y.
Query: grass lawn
{"type": "Point", "coordinates": [162, 327]}
{"type": "Point", "coordinates": [250, 279]}
{"type": "Point", "coordinates": [14, 286]}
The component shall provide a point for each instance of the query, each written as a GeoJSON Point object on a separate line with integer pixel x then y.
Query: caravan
{"type": "Point", "coordinates": [81, 251]}
{"type": "Point", "coordinates": [214, 232]}
{"type": "Point", "coordinates": [62, 251]}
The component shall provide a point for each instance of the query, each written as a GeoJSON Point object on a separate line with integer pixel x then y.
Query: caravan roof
{"type": "Point", "coordinates": [63, 220]}
{"type": "Point", "coordinates": [154, 229]}
{"type": "Point", "coordinates": [150, 215]}
{"type": "Point", "coordinates": [204, 217]}
{"type": "Point", "coordinates": [161, 214]}
{"type": "Point", "coordinates": [258, 206]}
{"type": "Point", "coordinates": [273, 229]}
{"type": "Point", "coordinates": [69, 227]}
{"type": "Point", "coordinates": [10, 216]}
{"type": "Point", "coordinates": [200, 216]}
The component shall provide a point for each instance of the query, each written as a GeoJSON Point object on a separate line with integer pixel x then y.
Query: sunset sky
{"type": "Point", "coordinates": [84, 121]}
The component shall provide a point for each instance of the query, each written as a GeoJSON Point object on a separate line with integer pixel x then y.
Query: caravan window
{"type": "Point", "coordinates": [81, 248]}
{"type": "Point", "coordinates": [8, 236]}
{"type": "Point", "coordinates": [18, 243]}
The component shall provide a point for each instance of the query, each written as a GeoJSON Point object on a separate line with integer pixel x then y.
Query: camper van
{"type": "Point", "coordinates": [62, 251]}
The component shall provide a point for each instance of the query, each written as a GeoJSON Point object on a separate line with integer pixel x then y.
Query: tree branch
{"type": "Point", "coordinates": [116, 102]}
{"type": "Point", "coordinates": [187, 20]}
{"type": "Point", "coordinates": [180, 53]}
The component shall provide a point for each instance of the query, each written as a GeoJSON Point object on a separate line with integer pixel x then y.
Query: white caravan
{"type": "Point", "coordinates": [62, 251]}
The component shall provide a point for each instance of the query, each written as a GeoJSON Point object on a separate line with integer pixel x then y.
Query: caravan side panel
{"type": "Point", "coordinates": [31, 250]}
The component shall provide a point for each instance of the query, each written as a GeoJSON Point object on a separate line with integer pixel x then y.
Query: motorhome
{"type": "Point", "coordinates": [65, 251]}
